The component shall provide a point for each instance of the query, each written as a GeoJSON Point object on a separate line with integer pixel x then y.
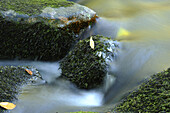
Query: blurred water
{"type": "Point", "coordinates": [56, 95]}
{"type": "Point", "coordinates": [145, 51]}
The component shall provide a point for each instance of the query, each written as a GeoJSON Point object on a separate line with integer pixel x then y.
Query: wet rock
{"type": "Point", "coordinates": [12, 79]}
{"type": "Point", "coordinates": [41, 30]}
{"type": "Point", "coordinates": [151, 96]}
{"type": "Point", "coordinates": [87, 67]}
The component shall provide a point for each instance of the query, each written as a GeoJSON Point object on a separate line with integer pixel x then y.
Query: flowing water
{"type": "Point", "coordinates": [144, 52]}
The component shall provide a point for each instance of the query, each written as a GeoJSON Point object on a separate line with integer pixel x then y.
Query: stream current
{"type": "Point", "coordinates": [144, 52]}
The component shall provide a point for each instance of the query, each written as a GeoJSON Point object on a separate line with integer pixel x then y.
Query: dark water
{"type": "Point", "coordinates": [142, 53]}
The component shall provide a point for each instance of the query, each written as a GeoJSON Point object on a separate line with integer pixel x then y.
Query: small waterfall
{"type": "Point", "coordinates": [109, 80]}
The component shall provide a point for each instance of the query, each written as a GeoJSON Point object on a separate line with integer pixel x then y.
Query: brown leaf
{"type": "Point", "coordinates": [28, 71]}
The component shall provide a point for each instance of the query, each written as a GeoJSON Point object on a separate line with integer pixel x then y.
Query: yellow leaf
{"type": "Point", "coordinates": [91, 43]}
{"type": "Point", "coordinates": [7, 105]}
{"type": "Point", "coordinates": [123, 32]}
{"type": "Point", "coordinates": [28, 71]}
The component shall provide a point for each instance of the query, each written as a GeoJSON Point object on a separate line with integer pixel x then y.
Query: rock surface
{"type": "Point", "coordinates": [40, 30]}
{"type": "Point", "coordinates": [12, 79]}
{"type": "Point", "coordinates": [87, 67]}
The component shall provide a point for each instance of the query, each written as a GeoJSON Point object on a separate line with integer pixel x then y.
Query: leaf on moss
{"type": "Point", "coordinates": [91, 43]}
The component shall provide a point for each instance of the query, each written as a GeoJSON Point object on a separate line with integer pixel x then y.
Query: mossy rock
{"type": "Point", "coordinates": [152, 96]}
{"type": "Point", "coordinates": [40, 29]}
{"type": "Point", "coordinates": [12, 79]}
{"type": "Point", "coordinates": [33, 42]}
{"type": "Point", "coordinates": [87, 67]}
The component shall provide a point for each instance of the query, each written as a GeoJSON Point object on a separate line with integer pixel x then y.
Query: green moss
{"type": "Point", "coordinates": [31, 7]}
{"type": "Point", "coordinates": [152, 96]}
{"type": "Point", "coordinates": [33, 41]}
{"type": "Point", "coordinates": [83, 66]}
{"type": "Point", "coordinates": [11, 80]}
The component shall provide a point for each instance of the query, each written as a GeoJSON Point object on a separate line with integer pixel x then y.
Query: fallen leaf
{"type": "Point", "coordinates": [28, 71]}
{"type": "Point", "coordinates": [91, 43]}
{"type": "Point", "coordinates": [7, 105]}
{"type": "Point", "coordinates": [123, 32]}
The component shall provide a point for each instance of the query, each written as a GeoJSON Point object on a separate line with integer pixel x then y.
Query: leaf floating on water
{"type": "Point", "coordinates": [7, 105]}
{"type": "Point", "coordinates": [91, 43]}
{"type": "Point", "coordinates": [28, 71]}
{"type": "Point", "coordinates": [123, 32]}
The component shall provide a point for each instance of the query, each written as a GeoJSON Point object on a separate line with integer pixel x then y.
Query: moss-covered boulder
{"type": "Point", "coordinates": [87, 67]}
{"type": "Point", "coordinates": [12, 79]}
{"type": "Point", "coordinates": [152, 96]}
{"type": "Point", "coordinates": [40, 29]}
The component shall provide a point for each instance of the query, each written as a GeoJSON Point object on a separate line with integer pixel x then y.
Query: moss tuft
{"type": "Point", "coordinates": [152, 96]}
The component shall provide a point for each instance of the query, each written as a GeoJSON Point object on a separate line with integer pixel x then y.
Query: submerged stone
{"type": "Point", "coordinates": [40, 30]}
{"type": "Point", "coordinates": [12, 79]}
{"type": "Point", "coordinates": [87, 67]}
{"type": "Point", "coordinates": [151, 96]}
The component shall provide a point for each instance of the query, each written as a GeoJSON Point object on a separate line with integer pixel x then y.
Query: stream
{"type": "Point", "coordinates": [144, 52]}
